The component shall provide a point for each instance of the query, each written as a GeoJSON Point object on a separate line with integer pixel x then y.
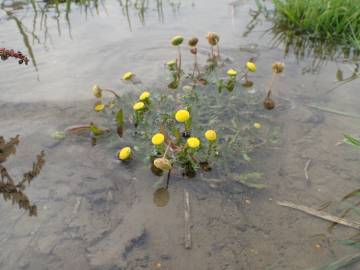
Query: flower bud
{"type": "Point", "coordinates": [177, 40]}
{"type": "Point", "coordinates": [163, 164]}
{"type": "Point", "coordinates": [97, 91]}
{"type": "Point", "coordinates": [251, 66]}
{"type": "Point", "coordinates": [213, 38]}
{"type": "Point", "coordinates": [193, 41]}
{"type": "Point", "coordinates": [124, 153]}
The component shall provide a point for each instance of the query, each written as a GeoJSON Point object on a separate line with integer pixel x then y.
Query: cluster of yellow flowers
{"type": "Point", "coordinates": [183, 116]}
{"type": "Point", "coordinates": [157, 139]}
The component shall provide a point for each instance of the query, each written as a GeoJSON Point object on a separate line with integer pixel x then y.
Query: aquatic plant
{"type": "Point", "coordinates": [277, 68]}
{"type": "Point", "coordinates": [5, 54]}
{"type": "Point", "coordinates": [193, 50]}
{"type": "Point", "coordinates": [196, 128]}
{"type": "Point", "coordinates": [8, 188]}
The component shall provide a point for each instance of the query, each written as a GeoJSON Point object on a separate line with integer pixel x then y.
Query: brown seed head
{"type": "Point", "coordinates": [278, 67]}
{"type": "Point", "coordinates": [193, 41]}
{"type": "Point", "coordinates": [269, 103]}
{"type": "Point", "coordinates": [213, 38]}
{"type": "Point", "coordinates": [163, 164]}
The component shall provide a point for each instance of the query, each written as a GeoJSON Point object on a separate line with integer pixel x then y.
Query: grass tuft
{"type": "Point", "coordinates": [330, 21]}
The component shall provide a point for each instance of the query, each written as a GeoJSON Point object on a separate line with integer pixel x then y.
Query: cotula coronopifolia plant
{"type": "Point", "coordinates": [186, 153]}
{"type": "Point", "coordinates": [177, 41]}
{"type": "Point", "coordinates": [141, 107]}
{"type": "Point", "coordinates": [277, 68]}
{"type": "Point", "coordinates": [213, 40]}
{"type": "Point", "coordinates": [193, 50]}
{"type": "Point", "coordinates": [249, 67]}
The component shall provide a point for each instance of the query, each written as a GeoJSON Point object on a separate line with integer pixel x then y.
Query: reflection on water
{"type": "Point", "coordinates": [33, 19]}
{"type": "Point", "coordinates": [161, 197]}
{"type": "Point", "coordinates": [8, 188]}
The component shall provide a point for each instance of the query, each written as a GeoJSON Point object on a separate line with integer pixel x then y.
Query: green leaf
{"type": "Point", "coordinates": [351, 140]}
{"type": "Point", "coordinates": [219, 85]}
{"type": "Point", "coordinates": [119, 118]}
{"type": "Point", "coordinates": [95, 130]}
{"type": "Point", "coordinates": [188, 124]}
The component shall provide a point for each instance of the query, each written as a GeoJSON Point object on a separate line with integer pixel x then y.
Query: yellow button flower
{"type": "Point", "coordinates": [158, 138]}
{"type": "Point", "coordinates": [257, 125]}
{"type": "Point", "coordinates": [251, 66]}
{"type": "Point", "coordinates": [231, 72]}
{"type": "Point", "coordinates": [97, 91]}
{"type": "Point", "coordinates": [125, 153]}
{"type": "Point", "coordinates": [127, 76]}
{"type": "Point", "coordinates": [193, 142]}
{"type": "Point", "coordinates": [99, 107]}
{"type": "Point", "coordinates": [182, 116]}
{"type": "Point", "coordinates": [138, 106]}
{"type": "Point", "coordinates": [177, 40]}
{"type": "Point", "coordinates": [210, 135]}
{"type": "Point", "coordinates": [144, 96]}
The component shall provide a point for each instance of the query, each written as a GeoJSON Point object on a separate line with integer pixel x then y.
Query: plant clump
{"type": "Point", "coordinates": [197, 125]}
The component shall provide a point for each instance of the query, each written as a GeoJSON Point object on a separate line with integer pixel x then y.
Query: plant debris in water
{"type": "Point", "coordinates": [5, 54]}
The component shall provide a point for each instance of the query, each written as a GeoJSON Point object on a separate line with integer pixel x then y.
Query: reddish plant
{"type": "Point", "coordinates": [5, 54]}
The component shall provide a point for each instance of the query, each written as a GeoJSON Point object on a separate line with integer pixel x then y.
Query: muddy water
{"type": "Point", "coordinates": [94, 213]}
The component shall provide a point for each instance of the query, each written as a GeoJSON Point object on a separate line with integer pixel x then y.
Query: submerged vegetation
{"type": "Point", "coordinates": [8, 188]}
{"type": "Point", "coordinates": [205, 117]}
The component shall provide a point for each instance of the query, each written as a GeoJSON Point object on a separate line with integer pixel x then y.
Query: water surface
{"type": "Point", "coordinates": [94, 213]}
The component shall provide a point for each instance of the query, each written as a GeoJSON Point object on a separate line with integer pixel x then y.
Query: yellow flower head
{"type": "Point", "coordinates": [231, 72]}
{"type": "Point", "coordinates": [99, 107]}
{"type": "Point", "coordinates": [193, 142]}
{"type": "Point", "coordinates": [125, 153]}
{"type": "Point", "coordinates": [177, 40]}
{"type": "Point", "coordinates": [251, 66]}
{"type": "Point", "coordinates": [182, 116]}
{"type": "Point", "coordinates": [210, 135]}
{"type": "Point", "coordinates": [158, 138]}
{"type": "Point", "coordinates": [127, 75]}
{"type": "Point", "coordinates": [97, 91]}
{"type": "Point", "coordinates": [138, 106]}
{"type": "Point", "coordinates": [257, 125]}
{"type": "Point", "coordinates": [144, 96]}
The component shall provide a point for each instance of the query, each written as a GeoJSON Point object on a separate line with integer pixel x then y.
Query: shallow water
{"type": "Point", "coordinates": [94, 213]}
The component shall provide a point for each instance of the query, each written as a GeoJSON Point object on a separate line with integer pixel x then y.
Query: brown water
{"type": "Point", "coordinates": [94, 213]}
